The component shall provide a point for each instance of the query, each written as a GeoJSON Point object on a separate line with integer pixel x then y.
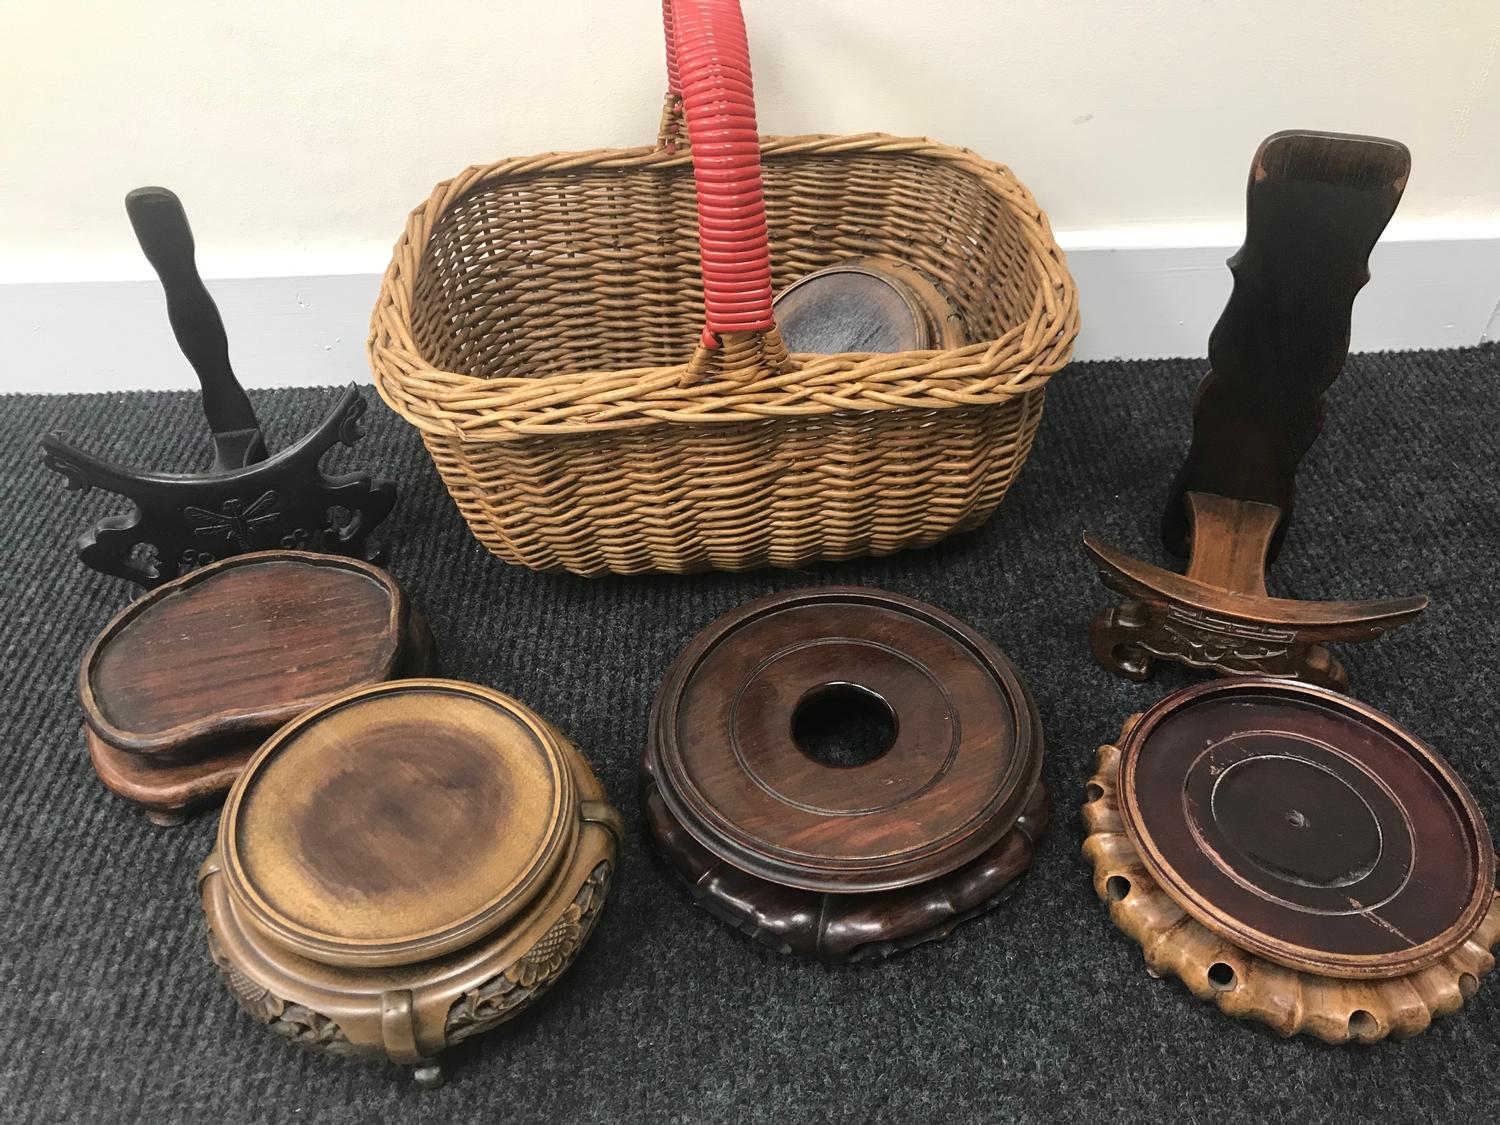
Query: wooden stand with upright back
{"type": "Point", "coordinates": [250, 499]}
{"type": "Point", "coordinates": [1317, 203]}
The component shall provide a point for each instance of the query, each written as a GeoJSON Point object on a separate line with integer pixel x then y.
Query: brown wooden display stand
{"type": "Point", "coordinates": [404, 867]}
{"type": "Point", "coordinates": [183, 686]}
{"type": "Point", "coordinates": [1296, 857]}
{"type": "Point", "coordinates": [870, 304]}
{"type": "Point", "coordinates": [828, 846]}
{"type": "Point", "coordinates": [1317, 203]}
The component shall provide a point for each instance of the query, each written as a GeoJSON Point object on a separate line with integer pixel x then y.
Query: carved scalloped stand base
{"type": "Point", "coordinates": [847, 927]}
{"type": "Point", "coordinates": [1250, 987]}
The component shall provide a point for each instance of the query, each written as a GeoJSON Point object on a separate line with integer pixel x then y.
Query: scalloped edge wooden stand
{"type": "Point", "coordinates": [784, 861]}
{"type": "Point", "coordinates": [846, 928]}
{"type": "Point", "coordinates": [1249, 987]}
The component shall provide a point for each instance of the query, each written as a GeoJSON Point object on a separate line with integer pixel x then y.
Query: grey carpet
{"type": "Point", "coordinates": [1040, 1010]}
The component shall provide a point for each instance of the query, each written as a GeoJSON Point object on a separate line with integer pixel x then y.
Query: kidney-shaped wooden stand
{"type": "Point", "coordinates": [1296, 857]}
{"type": "Point", "coordinates": [405, 867]}
{"type": "Point", "coordinates": [842, 772]}
{"type": "Point", "coordinates": [187, 681]}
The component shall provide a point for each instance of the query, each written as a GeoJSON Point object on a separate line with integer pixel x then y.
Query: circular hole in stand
{"type": "Point", "coordinates": [1468, 984]}
{"type": "Point", "coordinates": [843, 725]}
{"type": "Point", "coordinates": [1094, 792]}
{"type": "Point", "coordinates": [1362, 1025]}
{"type": "Point", "coordinates": [1221, 976]}
{"type": "Point", "coordinates": [1117, 887]}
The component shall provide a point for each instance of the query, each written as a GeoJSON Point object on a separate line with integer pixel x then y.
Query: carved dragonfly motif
{"type": "Point", "coordinates": [235, 520]}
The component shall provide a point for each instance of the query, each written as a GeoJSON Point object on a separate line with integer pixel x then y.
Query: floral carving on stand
{"type": "Point", "coordinates": [531, 974]}
{"type": "Point", "coordinates": [296, 1022]}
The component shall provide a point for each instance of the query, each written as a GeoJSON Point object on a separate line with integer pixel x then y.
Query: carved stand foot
{"type": "Point", "coordinates": [1219, 616]}
{"type": "Point", "coordinates": [847, 927]}
{"type": "Point", "coordinates": [169, 793]}
{"type": "Point", "coordinates": [1114, 637]}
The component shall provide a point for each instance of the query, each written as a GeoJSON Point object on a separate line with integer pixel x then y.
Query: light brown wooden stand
{"type": "Point", "coordinates": [406, 866]}
{"type": "Point", "coordinates": [1188, 926]}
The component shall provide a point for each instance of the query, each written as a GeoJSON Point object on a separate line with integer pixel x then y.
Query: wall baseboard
{"type": "Point", "coordinates": [1141, 299]}
{"type": "Point", "coordinates": [1146, 302]}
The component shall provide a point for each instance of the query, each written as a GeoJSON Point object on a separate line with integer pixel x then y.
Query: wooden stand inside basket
{"type": "Point", "coordinates": [1295, 857]}
{"type": "Point", "coordinates": [184, 685]}
{"type": "Point", "coordinates": [842, 773]}
{"type": "Point", "coordinates": [1317, 203]}
{"type": "Point", "coordinates": [870, 304]}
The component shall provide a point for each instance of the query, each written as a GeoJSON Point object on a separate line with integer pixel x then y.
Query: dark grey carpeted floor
{"type": "Point", "coordinates": [112, 1011]}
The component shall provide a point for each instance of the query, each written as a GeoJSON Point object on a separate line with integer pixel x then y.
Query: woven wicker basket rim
{"type": "Point", "coordinates": [477, 408]}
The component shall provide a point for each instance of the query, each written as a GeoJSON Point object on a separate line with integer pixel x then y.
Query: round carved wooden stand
{"type": "Point", "coordinates": [407, 866]}
{"type": "Point", "coordinates": [870, 304]}
{"type": "Point", "coordinates": [1296, 857]}
{"type": "Point", "coordinates": [828, 846]}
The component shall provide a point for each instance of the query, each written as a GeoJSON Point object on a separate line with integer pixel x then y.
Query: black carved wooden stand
{"type": "Point", "coordinates": [248, 501]}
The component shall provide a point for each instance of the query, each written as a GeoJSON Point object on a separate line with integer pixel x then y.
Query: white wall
{"type": "Point", "coordinates": [299, 134]}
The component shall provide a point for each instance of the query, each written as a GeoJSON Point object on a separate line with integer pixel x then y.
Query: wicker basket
{"type": "Point", "coordinates": [537, 323]}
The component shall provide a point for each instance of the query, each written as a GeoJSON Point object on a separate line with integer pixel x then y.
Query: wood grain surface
{"type": "Point", "coordinates": [1315, 207]}
{"type": "Point", "coordinates": [406, 867]}
{"type": "Point", "coordinates": [866, 305]}
{"type": "Point", "coordinates": [240, 646]}
{"type": "Point", "coordinates": [730, 789]}
{"type": "Point", "coordinates": [398, 823]}
{"type": "Point", "coordinates": [1306, 828]}
{"type": "Point", "coordinates": [1243, 983]}
{"type": "Point", "coordinates": [1218, 615]}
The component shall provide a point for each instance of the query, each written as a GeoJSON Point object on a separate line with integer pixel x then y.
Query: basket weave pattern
{"type": "Point", "coordinates": [538, 324]}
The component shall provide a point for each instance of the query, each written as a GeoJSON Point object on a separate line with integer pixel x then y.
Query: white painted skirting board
{"type": "Point", "coordinates": [1141, 298]}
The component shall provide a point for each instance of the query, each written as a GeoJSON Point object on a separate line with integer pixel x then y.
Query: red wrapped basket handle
{"type": "Point", "coordinates": [708, 67]}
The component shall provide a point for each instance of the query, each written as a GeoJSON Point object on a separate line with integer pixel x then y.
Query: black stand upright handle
{"type": "Point", "coordinates": [161, 227]}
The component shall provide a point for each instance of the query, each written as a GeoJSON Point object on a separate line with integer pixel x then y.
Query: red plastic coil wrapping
{"type": "Point", "coordinates": [718, 102]}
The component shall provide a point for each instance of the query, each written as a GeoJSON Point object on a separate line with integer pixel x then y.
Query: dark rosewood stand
{"type": "Point", "coordinates": [183, 686]}
{"type": "Point", "coordinates": [248, 501]}
{"type": "Point", "coordinates": [1316, 205]}
{"type": "Point", "coordinates": [758, 799]}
